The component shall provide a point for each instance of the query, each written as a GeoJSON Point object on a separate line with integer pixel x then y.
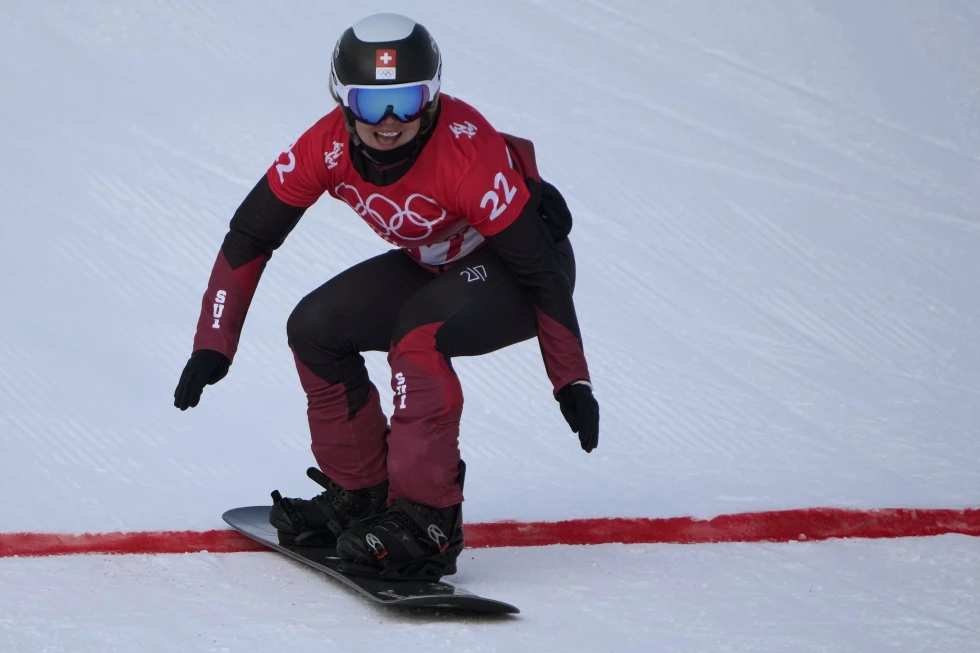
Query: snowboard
{"type": "Point", "coordinates": [253, 522]}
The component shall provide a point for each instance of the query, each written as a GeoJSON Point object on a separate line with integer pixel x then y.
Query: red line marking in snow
{"type": "Point", "coordinates": [45, 544]}
{"type": "Point", "coordinates": [778, 526]}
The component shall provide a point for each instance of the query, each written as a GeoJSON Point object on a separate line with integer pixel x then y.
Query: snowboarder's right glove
{"type": "Point", "coordinates": [205, 367]}
{"type": "Point", "coordinates": [581, 411]}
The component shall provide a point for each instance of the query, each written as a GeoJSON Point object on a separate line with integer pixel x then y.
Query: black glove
{"type": "Point", "coordinates": [205, 367]}
{"type": "Point", "coordinates": [581, 411]}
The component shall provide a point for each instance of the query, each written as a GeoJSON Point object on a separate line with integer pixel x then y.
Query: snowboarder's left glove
{"type": "Point", "coordinates": [581, 411]}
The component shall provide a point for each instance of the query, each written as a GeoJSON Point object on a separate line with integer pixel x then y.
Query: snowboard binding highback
{"type": "Point", "coordinates": [320, 521]}
{"type": "Point", "coordinates": [409, 541]}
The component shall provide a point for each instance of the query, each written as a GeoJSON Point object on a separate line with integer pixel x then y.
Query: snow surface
{"type": "Point", "coordinates": [777, 240]}
{"type": "Point", "coordinates": [901, 596]}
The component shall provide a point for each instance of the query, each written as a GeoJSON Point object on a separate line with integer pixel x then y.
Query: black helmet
{"type": "Point", "coordinates": [385, 64]}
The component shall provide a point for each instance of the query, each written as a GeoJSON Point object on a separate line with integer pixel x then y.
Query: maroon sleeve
{"type": "Point", "coordinates": [259, 227]}
{"type": "Point", "coordinates": [527, 249]}
{"type": "Point", "coordinates": [500, 196]}
{"type": "Point", "coordinates": [268, 214]}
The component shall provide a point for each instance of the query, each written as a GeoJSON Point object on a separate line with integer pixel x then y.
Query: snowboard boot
{"type": "Point", "coordinates": [318, 521]}
{"type": "Point", "coordinates": [409, 541]}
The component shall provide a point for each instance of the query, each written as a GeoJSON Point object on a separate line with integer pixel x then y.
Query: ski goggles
{"type": "Point", "coordinates": [372, 104]}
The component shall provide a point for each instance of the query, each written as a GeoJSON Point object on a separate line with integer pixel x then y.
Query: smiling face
{"type": "Point", "coordinates": [387, 135]}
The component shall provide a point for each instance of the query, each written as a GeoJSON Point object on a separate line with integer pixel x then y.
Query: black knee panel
{"type": "Point", "coordinates": [318, 336]}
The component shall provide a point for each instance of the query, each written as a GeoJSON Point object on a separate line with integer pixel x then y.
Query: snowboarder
{"type": "Point", "coordinates": [482, 261]}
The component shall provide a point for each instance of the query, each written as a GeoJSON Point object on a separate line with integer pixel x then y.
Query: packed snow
{"type": "Point", "coordinates": [777, 237]}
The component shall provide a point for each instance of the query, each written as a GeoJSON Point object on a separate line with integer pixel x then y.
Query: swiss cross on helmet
{"type": "Point", "coordinates": [385, 64]}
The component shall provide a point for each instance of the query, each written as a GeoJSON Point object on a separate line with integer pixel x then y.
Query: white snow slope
{"type": "Point", "coordinates": [777, 242]}
{"type": "Point", "coordinates": [776, 232]}
{"type": "Point", "coordinates": [914, 595]}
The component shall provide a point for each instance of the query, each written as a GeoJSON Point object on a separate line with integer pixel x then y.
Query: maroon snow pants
{"type": "Point", "coordinates": [422, 319]}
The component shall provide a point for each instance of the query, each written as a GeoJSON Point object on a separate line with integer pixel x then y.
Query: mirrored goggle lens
{"type": "Point", "coordinates": [373, 104]}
